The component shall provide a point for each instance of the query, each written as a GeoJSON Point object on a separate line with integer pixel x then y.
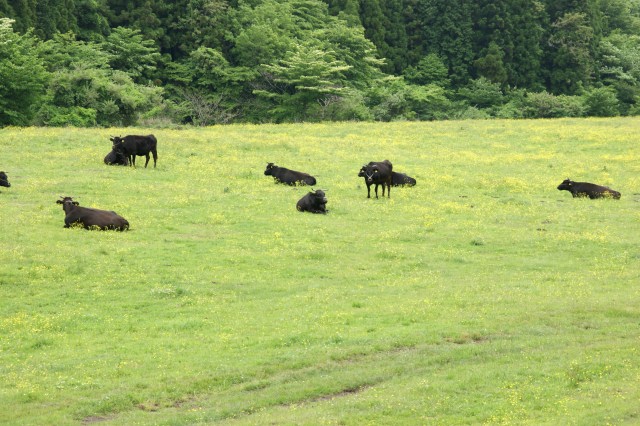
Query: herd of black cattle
{"type": "Point", "coordinates": [377, 173]}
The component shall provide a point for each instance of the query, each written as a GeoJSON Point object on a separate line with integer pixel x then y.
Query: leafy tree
{"type": "Point", "coordinates": [85, 90]}
{"type": "Point", "coordinates": [22, 76]}
{"type": "Point", "coordinates": [350, 45]}
{"type": "Point", "coordinates": [207, 88]}
{"type": "Point", "coordinates": [482, 93]}
{"type": "Point", "coordinates": [264, 33]}
{"type": "Point", "coordinates": [301, 81]}
{"type": "Point", "coordinates": [430, 70]}
{"type": "Point", "coordinates": [620, 68]}
{"type": "Point", "coordinates": [130, 53]}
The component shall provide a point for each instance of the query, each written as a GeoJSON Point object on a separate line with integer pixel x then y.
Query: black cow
{"type": "Point", "coordinates": [133, 145]}
{"type": "Point", "coordinates": [314, 202]}
{"type": "Point", "coordinates": [402, 179]}
{"type": "Point", "coordinates": [91, 218]}
{"type": "Point", "coordinates": [116, 158]}
{"type": "Point", "coordinates": [377, 173]}
{"type": "Point", "coordinates": [586, 189]}
{"type": "Point", "coordinates": [4, 181]}
{"type": "Point", "coordinates": [288, 177]}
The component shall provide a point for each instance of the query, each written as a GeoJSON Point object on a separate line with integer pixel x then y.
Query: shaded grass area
{"type": "Point", "coordinates": [482, 295]}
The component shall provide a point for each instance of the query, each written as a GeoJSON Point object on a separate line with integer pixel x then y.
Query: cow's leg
{"type": "Point", "coordinates": [132, 160]}
{"type": "Point", "coordinates": [368, 191]}
{"type": "Point", "coordinates": [146, 162]}
{"type": "Point", "coordinates": [376, 190]}
{"type": "Point", "coordinates": [388, 190]}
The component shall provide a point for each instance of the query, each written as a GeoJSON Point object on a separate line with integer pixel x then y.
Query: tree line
{"type": "Point", "coordinates": [158, 62]}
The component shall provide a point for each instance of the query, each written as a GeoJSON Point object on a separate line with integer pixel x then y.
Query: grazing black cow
{"type": "Point", "coordinates": [377, 173]}
{"type": "Point", "coordinates": [4, 181]}
{"type": "Point", "coordinates": [133, 145]}
{"type": "Point", "coordinates": [586, 189]}
{"type": "Point", "coordinates": [288, 177]}
{"type": "Point", "coordinates": [91, 218]}
{"type": "Point", "coordinates": [314, 202]}
{"type": "Point", "coordinates": [402, 179]}
{"type": "Point", "coordinates": [116, 158]}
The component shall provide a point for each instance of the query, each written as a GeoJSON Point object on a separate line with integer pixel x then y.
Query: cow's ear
{"type": "Point", "coordinates": [75, 203]}
{"type": "Point", "coordinates": [59, 202]}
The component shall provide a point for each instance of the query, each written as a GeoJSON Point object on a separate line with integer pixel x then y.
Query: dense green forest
{"type": "Point", "coordinates": [158, 62]}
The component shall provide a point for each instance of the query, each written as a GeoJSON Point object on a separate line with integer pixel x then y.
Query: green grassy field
{"type": "Point", "coordinates": [483, 295]}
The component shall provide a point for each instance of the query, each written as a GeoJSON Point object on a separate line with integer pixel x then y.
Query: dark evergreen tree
{"type": "Point", "coordinates": [572, 63]}
{"type": "Point", "coordinates": [394, 49]}
{"type": "Point", "coordinates": [516, 27]}
{"type": "Point", "coordinates": [446, 29]}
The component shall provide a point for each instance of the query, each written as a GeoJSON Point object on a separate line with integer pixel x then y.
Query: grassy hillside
{"type": "Point", "coordinates": [481, 295]}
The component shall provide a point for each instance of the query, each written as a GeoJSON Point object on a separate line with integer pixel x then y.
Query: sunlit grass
{"type": "Point", "coordinates": [481, 295]}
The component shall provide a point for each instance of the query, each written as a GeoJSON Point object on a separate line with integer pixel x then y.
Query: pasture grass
{"type": "Point", "coordinates": [481, 295]}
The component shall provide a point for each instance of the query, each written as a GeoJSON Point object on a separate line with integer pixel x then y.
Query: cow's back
{"type": "Point", "coordinates": [140, 145]}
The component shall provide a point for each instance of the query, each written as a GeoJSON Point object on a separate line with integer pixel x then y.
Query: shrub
{"type": "Point", "coordinates": [601, 102]}
{"type": "Point", "coordinates": [546, 105]}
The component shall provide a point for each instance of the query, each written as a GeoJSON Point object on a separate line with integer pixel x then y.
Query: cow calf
{"type": "Point", "coordinates": [116, 158]}
{"type": "Point", "coordinates": [314, 202]}
{"type": "Point", "coordinates": [586, 189]}
{"type": "Point", "coordinates": [402, 179]}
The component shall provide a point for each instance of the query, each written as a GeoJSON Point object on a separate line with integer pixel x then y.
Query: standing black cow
{"type": "Point", "coordinates": [133, 145]}
{"type": "Point", "coordinates": [116, 158]}
{"type": "Point", "coordinates": [288, 177]}
{"type": "Point", "coordinates": [402, 179]}
{"type": "Point", "coordinates": [4, 181]}
{"type": "Point", "coordinates": [586, 189]}
{"type": "Point", "coordinates": [314, 202]}
{"type": "Point", "coordinates": [91, 218]}
{"type": "Point", "coordinates": [377, 173]}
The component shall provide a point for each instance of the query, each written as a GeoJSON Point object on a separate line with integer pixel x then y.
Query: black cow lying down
{"type": "Point", "coordinates": [586, 189]}
{"type": "Point", "coordinates": [132, 145]}
{"type": "Point", "coordinates": [91, 218]}
{"type": "Point", "coordinates": [402, 179]}
{"type": "Point", "coordinates": [314, 202]}
{"type": "Point", "coordinates": [288, 177]}
{"type": "Point", "coordinates": [4, 181]}
{"type": "Point", "coordinates": [116, 158]}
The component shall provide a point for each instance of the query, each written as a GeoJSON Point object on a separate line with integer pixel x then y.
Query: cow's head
{"type": "Point", "coordinates": [369, 172]}
{"type": "Point", "coordinates": [566, 184]}
{"type": "Point", "coordinates": [3, 180]}
{"type": "Point", "coordinates": [319, 196]}
{"type": "Point", "coordinates": [269, 170]}
{"type": "Point", "coordinates": [67, 203]}
{"type": "Point", "coordinates": [116, 143]}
